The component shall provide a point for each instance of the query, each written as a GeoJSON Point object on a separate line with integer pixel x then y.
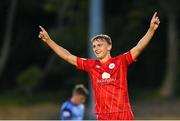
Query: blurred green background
{"type": "Point", "coordinates": [34, 81]}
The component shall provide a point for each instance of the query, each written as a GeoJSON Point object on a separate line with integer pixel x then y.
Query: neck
{"type": "Point", "coordinates": [106, 58]}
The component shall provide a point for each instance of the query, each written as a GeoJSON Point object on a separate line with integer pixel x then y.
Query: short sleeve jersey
{"type": "Point", "coordinates": [109, 82]}
{"type": "Point", "coordinates": [70, 111]}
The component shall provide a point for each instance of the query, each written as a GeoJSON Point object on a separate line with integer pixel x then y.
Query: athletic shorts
{"type": "Point", "coordinates": [127, 115]}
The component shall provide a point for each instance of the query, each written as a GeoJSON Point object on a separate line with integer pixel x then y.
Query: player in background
{"type": "Point", "coordinates": [108, 74]}
{"type": "Point", "coordinates": [74, 108]}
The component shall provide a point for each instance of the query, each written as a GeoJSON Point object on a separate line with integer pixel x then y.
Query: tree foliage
{"type": "Point", "coordinates": [29, 79]}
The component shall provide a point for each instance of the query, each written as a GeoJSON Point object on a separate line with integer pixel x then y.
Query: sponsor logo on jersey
{"type": "Point", "coordinates": [106, 78]}
{"type": "Point", "coordinates": [105, 75]}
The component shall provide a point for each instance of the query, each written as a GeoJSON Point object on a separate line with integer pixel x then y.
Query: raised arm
{"type": "Point", "coordinates": [60, 51]}
{"type": "Point", "coordinates": [135, 51]}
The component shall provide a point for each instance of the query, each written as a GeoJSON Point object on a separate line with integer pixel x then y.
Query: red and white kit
{"type": "Point", "coordinates": [109, 82]}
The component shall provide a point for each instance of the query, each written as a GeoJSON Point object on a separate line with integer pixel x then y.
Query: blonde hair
{"type": "Point", "coordinates": [81, 89]}
{"type": "Point", "coordinates": [102, 36]}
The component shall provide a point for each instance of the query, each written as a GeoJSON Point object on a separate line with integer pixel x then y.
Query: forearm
{"type": "Point", "coordinates": [142, 44]}
{"type": "Point", "coordinates": [61, 52]}
{"type": "Point", "coordinates": [145, 40]}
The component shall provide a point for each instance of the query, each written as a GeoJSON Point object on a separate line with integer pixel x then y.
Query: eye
{"type": "Point", "coordinates": [99, 45]}
{"type": "Point", "coordinates": [94, 46]}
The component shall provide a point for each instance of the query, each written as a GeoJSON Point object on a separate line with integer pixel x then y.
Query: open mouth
{"type": "Point", "coordinates": [98, 52]}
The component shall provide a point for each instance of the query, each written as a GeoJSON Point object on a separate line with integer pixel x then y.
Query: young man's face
{"type": "Point", "coordinates": [101, 48]}
{"type": "Point", "coordinates": [80, 98]}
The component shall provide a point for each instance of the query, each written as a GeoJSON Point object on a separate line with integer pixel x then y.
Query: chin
{"type": "Point", "coordinates": [99, 57]}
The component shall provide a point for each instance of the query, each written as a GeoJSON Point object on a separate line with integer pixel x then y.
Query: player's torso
{"type": "Point", "coordinates": [78, 112]}
{"type": "Point", "coordinates": [110, 85]}
{"type": "Point", "coordinates": [113, 72]}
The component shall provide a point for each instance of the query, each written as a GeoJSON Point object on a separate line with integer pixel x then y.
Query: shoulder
{"type": "Point", "coordinates": [122, 55]}
{"type": "Point", "coordinates": [67, 105]}
{"type": "Point", "coordinates": [118, 57]}
{"type": "Point", "coordinates": [86, 61]}
{"type": "Point", "coordinates": [126, 57]}
{"type": "Point", "coordinates": [121, 58]}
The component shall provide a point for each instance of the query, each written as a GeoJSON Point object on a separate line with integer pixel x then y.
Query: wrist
{"type": "Point", "coordinates": [48, 40]}
{"type": "Point", "coordinates": [151, 29]}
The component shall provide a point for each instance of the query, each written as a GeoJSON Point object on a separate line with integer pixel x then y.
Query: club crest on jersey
{"type": "Point", "coordinates": [111, 65]}
{"type": "Point", "coordinates": [106, 75]}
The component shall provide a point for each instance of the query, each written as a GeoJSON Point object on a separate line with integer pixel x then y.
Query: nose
{"type": "Point", "coordinates": [96, 47]}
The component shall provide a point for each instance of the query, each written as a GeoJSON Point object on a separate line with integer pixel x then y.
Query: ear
{"type": "Point", "coordinates": [109, 47]}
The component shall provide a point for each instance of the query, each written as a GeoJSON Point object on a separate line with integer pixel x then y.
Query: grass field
{"type": "Point", "coordinates": [157, 109]}
{"type": "Point", "coordinates": [144, 110]}
{"type": "Point", "coordinates": [46, 106]}
{"type": "Point", "coordinates": [33, 112]}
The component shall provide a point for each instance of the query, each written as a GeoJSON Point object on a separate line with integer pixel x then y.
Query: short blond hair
{"type": "Point", "coordinates": [102, 36]}
{"type": "Point", "coordinates": [81, 89]}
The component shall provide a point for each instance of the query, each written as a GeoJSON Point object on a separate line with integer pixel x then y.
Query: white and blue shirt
{"type": "Point", "coordinates": [70, 111]}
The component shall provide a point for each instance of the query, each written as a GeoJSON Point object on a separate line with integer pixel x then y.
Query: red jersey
{"type": "Point", "coordinates": [109, 82]}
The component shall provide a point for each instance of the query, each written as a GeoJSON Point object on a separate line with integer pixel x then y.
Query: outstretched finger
{"type": "Point", "coordinates": [41, 28]}
{"type": "Point", "coordinates": [155, 14]}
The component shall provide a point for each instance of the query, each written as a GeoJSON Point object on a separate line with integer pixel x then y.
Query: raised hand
{"type": "Point", "coordinates": [43, 34]}
{"type": "Point", "coordinates": [154, 22]}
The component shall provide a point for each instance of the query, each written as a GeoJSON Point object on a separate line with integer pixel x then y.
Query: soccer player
{"type": "Point", "coordinates": [73, 109]}
{"type": "Point", "coordinates": [108, 74]}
